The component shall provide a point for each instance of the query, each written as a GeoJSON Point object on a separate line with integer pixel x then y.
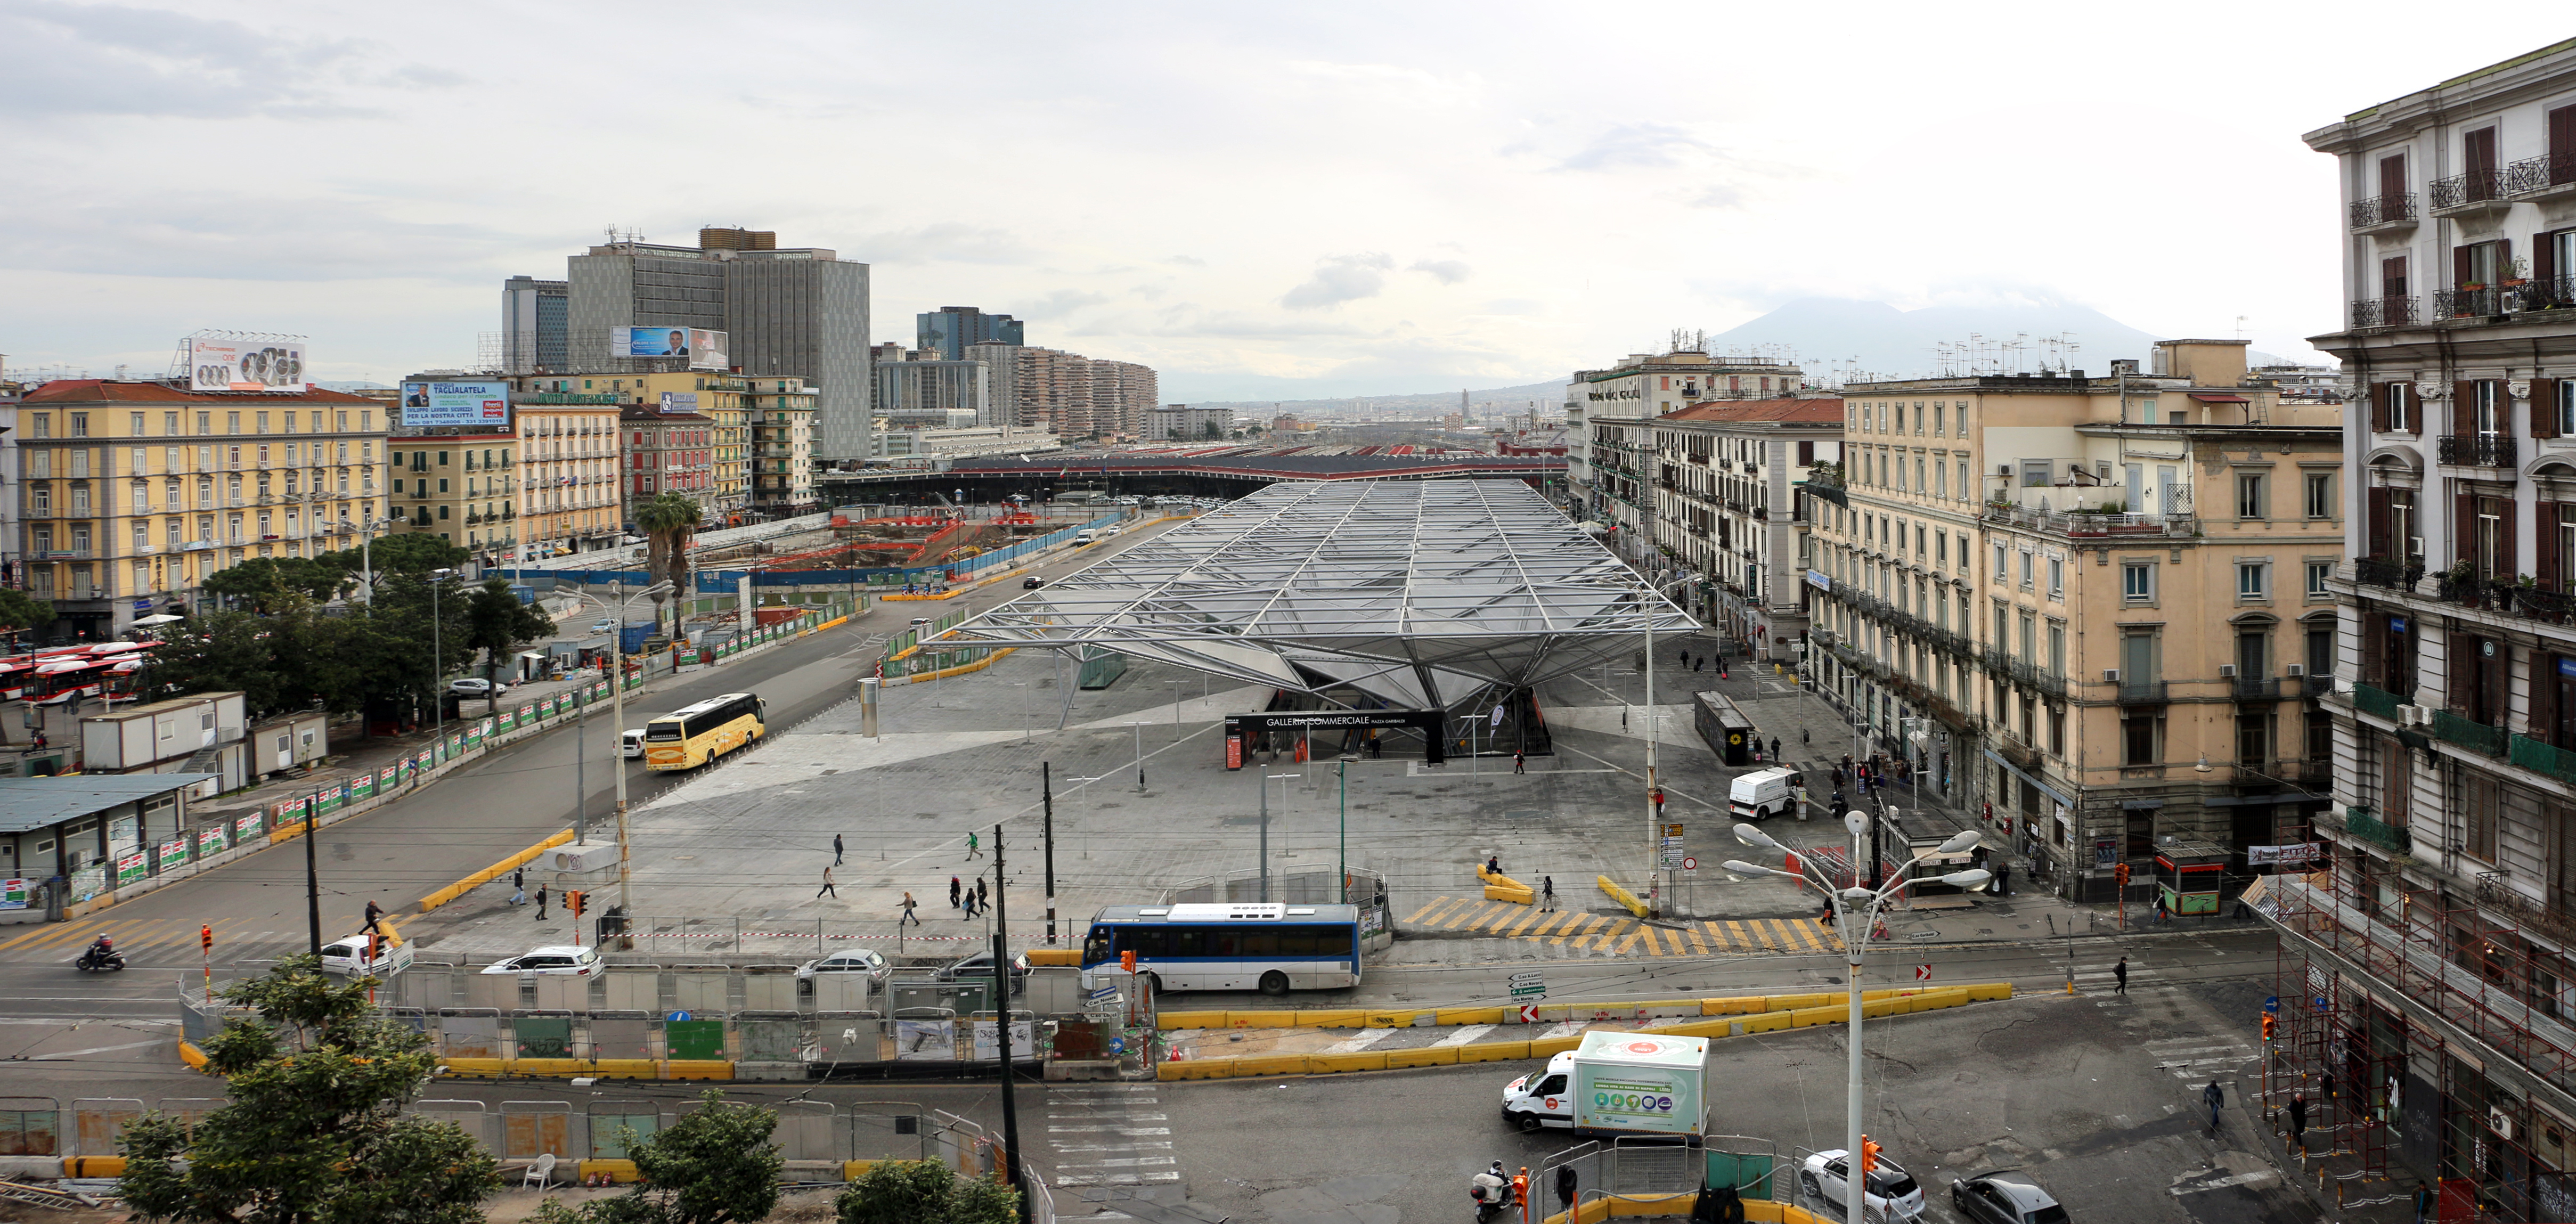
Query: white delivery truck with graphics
{"type": "Point", "coordinates": [1617, 1084]}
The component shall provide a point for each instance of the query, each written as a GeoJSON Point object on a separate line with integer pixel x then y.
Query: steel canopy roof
{"type": "Point", "coordinates": [1421, 593]}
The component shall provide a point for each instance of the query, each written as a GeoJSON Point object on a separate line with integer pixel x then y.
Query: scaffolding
{"type": "Point", "coordinates": [2430, 1034]}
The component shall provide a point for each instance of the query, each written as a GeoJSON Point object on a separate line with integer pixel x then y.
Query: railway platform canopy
{"type": "Point", "coordinates": [1407, 594]}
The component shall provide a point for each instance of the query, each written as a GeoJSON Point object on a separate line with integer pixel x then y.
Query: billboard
{"type": "Point", "coordinates": [246, 365]}
{"type": "Point", "coordinates": [705, 349]}
{"type": "Point", "coordinates": [469, 402]}
{"type": "Point", "coordinates": [679, 401]}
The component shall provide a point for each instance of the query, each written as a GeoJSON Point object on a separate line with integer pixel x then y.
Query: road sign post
{"type": "Point", "coordinates": [1529, 983]}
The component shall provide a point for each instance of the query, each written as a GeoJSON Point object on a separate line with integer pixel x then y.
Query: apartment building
{"type": "Point", "coordinates": [1726, 508]}
{"type": "Point", "coordinates": [945, 333]}
{"type": "Point", "coordinates": [133, 492]}
{"type": "Point", "coordinates": [781, 415]}
{"type": "Point", "coordinates": [666, 450]}
{"type": "Point", "coordinates": [2444, 911]}
{"type": "Point", "coordinates": [568, 477]}
{"type": "Point", "coordinates": [1609, 411]}
{"type": "Point", "coordinates": [459, 483]}
{"type": "Point", "coordinates": [1182, 423]}
{"type": "Point", "coordinates": [2021, 575]}
{"type": "Point", "coordinates": [1068, 394]}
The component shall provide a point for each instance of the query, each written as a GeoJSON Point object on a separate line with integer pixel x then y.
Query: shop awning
{"type": "Point", "coordinates": [2044, 788]}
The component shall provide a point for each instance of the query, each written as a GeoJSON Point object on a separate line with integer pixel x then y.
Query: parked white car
{"type": "Point", "coordinates": [557, 960]}
{"type": "Point", "coordinates": [631, 743]}
{"type": "Point", "coordinates": [348, 955]}
{"type": "Point", "coordinates": [1892, 1192]}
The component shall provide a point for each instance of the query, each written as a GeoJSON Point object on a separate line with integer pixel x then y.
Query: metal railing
{"type": "Point", "coordinates": [2364, 823]}
{"type": "Point", "coordinates": [2380, 210]}
{"type": "Point", "coordinates": [2466, 303]}
{"type": "Point", "coordinates": [2539, 173]}
{"type": "Point", "coordinates": [2141, 692]}
{"type": "Point", "coordinates": [2476, 450]}
{"type": "Point", "coordinates": [2381, 572]}
{"type": "Point", "coordinates": [2254, 688]}
{"type": "Point", "coordinates": [2467, 733]}
{"type": "Point", "coordinates": [2385, 312]}
{"type": "Point", "coordinates": [2471, 187]}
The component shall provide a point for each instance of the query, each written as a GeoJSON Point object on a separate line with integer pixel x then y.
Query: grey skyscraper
{"type": "Point", "coordinates": [533, 318]}
{"type": "Point", "coordinates": [802, 311]}
{"type": "Point", "coordinates": [949, 329]}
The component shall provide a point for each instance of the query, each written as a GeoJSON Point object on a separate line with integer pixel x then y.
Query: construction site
{"type": "Point", "coordinates": [2429, 1034]}
{"type": "Point", "coordinates": [889, 539]}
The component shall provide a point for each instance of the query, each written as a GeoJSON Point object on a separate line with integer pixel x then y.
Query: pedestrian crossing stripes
{"type": "Point", "coordinates": [2199, 1059]}
{"type": "Point", "coordinates": [165, 941]}
{"type": "Point", "coordinates": [1109, 1135]}
{"type": "Point", "coordinates": [1575, 931]}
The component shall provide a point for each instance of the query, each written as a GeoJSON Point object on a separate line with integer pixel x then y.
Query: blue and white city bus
{"type": "Point", "coordinates": [1232, 946]}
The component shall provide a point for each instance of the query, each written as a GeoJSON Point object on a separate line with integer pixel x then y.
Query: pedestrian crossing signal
{"type": "Point", "coordinates": [576, 900]}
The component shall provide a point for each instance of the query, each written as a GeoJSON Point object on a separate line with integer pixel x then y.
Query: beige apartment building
{"type": "Point", "coordinates": [133, 492]}
{"type": "Point", "coordinates": [784, 405]}
{"type": "Point", "coordinates": [2100, 604]}
{"type": "Point", "coordinates": [461, 485]}
{"type": "Point", "coordinates": [1609, 413]}
{"type": "Point", "coordinates": [1726, 509]}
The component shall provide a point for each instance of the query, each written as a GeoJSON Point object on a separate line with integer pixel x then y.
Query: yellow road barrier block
{"type": "Point", "coordinates": [1195, 1069]}
{"type": "Point", "coordinates": [1423, 1056]}
{"type": "Point", "coordinates": [1493, 1051]}
{"type": "Point", "coordinates": [473, 1068]}
{"type": "Point", "coordinates": [1344, 1017]}
{"type": "Point", "coordinates": [696, 1069]}
{"type": "Point", "coordinates": [620, 1171]}
{"type": "Point", "coordinates": [1627, 900]}
{"type": "Point", "coordinates": [1269, 1064]}
{"type": "Point", "coordinates": [1328, 1064]}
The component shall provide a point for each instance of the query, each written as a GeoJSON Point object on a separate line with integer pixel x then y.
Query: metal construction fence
{"type": "Point", "coordinates": [1649, 1166]}
{"type": "Point", "coordinates": [1359, 886]}
{"type": "Point", "coordinates": [723, 581]}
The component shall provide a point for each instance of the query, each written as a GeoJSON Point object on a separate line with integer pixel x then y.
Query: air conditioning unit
{"type": "Point", "coordinates": [2298, 669]}
{"type": "Point", "coordinates": [2497, 1120]}
{"type": "Point", "coordinates": [2111, 674]}
{"type": "Point", "coordinates": [2410, 716]}
{"type": "Point", "coordinates": [2226, 671]}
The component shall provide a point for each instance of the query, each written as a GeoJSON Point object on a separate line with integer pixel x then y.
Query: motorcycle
{"type": "Point", "coordinates": [93, 961]}
{"type": "Point", "coordinates": [1492, 1193]}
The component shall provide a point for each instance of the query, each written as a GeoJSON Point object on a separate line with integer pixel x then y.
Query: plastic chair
{"type": "Point", "coordinates": [541, 1172]}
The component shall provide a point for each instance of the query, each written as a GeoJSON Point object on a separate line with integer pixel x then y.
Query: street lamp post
{"type": "Point", "coordinates": [1342, 856]}
{"type": "Point", "coordinates": [1856, 912]}
{"type": "Point", "coordinates": [617, 715]}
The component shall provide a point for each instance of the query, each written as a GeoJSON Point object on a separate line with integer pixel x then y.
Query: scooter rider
{"type": "Point", "coordinates": [1492, 1191]}
{"type": "Point", "coordinates": [100, 951]}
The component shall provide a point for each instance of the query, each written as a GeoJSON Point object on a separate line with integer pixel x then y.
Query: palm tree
{"type": "Point", "coordinates": [667, 522]}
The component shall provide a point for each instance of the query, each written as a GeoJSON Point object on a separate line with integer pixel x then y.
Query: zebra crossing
{"type": "Point", "coordinates": [2200, 1059]}
{"type": "Point", "coordinates": [162, 942]}
{"type": "Point", "coordinates": [1575, 932]}
{"type": "Point", "coordinates": [1109, 1135]}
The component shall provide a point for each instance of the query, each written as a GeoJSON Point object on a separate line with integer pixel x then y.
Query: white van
{"type": "Point", "coordinates": [1761, 794]}
{"type": "Point", "coordinates": [1084, 536]}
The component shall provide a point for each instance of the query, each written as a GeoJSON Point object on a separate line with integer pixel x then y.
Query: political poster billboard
{"type": "Point", "coordinates": [679, 401]}
{"type": "Point", "coordinates": [704, 348]}
{"type": "Point", "coordinates": [465, 402]}
{"type": "Point", "coordinates": [274, 365]}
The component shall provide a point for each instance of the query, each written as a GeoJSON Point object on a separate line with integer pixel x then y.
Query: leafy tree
{"type": "Point", "coordinates": [411, 552]}
{"type": "Point", "coordinates": [17, 611]}
{"type": "Point", "coordinates": [495, 622]}
{"type": "Point", "coordinates": [277, 584]}
{"type": "Point", "coordinates": [924, 1192]}
{"type": "Point", "coordinates": [313, 1133]}
{"type": "Point", "coordinates": [223, 651]}
{"type": "Point", "coordinates": [667, 522]}
{"type": "Point", "coordinates": [715, 1165]}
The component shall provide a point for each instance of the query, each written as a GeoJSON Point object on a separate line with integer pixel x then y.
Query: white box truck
{"type": "Point", "coordinates": [1762, 794]}
{"type": "Point", "coordinates": [1617, 1084]}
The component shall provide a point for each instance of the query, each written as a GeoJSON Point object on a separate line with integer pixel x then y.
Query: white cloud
{"type": "Point", "coordinates": [1339, 279]}
{"type": "Point", "coordinates": [1445, 271]}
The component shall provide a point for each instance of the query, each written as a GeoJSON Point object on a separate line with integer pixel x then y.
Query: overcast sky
{"type": "Point", "coordinates": [1257, 200]}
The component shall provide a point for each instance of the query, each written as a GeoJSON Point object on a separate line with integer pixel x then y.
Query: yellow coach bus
{"type": "Point", "coordinates": [694, 735]}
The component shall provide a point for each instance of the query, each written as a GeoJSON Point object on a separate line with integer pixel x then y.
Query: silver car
{"type": "Point", "coordinates": [1892, 1194]}
{"type": "Point", "coordinates": [872, 964]}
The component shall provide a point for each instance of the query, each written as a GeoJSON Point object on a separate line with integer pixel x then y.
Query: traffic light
{"type": "Point", "coordinates": [2268, 1022]}
{"type": "Point", "coordinates": [2120, 874]}
{"type": "Point", "coordinates": [1127, 961]}
{"type": "Point", "coordinates": [206, 937]}
{"type": "Point", "coordinates": [1868, 1155]}
{"type": "Point", "coordinates": [576, 900]}
{"type": "Point", "coordinates": [373, 942]}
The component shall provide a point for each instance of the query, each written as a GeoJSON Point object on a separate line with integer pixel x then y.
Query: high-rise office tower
{"type": "Point", "coordinates": [798, 311]}
{"type": "Point", "coordinates": [533, 316]}
{"type": "Point", "coordinates": [949, 329]}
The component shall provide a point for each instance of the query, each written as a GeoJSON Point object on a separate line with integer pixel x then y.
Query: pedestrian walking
{"type": "Point", "coordinates": [2160, 906]}
{"type": "Point", "coordinates": [983, 896]}
{"type": "Point", "coordinates": [1547, 894]}
{"type": "Point", "coordinates": [1828, 916]}
{"type": "Point", "coordinates": [2214, 1097]}
{"type": "Point", "coordinates": [1804, 737]}
{"type": "Point", "coordinates": [1565, 1188]}
{"type": "Point", "coordinates": [827, 885]}
{"type": "Point", "coordinates": [1685, 658]}
{"type": "Point", "coordinates": [908, 915]}
{"type": "Point", "coordinates": [1700, 664]}
{"type": "Point", "coordinates": [1520, 763]}
{"type": "Point", "coordinates": [2120, 973]}
{"type": "Point", "coordinates": [953, 887]}
{"type": "Point", "coordinates": [541, 902]}
{"type": "Point", "coordinates": [2003, 880]}
{"type": "Point", "coordinates": [1775, 747]}
{"type": "Point", "coordinates": [2299, 1121]}
{"type": "Point", "coordinates": [375, 914]}
{"type": "Point", "coordinates": [519, 887]}
{"type": "Point", "coordinates": [2423, 1203]}
{"type": "Point", "coordinates": [970, 907]}
{"type": "Point", "coordinates": [973, 847]}
{"type": "Point", "coordinates": [836, 849]}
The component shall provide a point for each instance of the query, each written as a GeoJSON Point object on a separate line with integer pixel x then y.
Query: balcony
{"type": "Point", "coordinates": [2364, 823]}
{"type": "Point", "coordinates": [2452, 728]}
{"type": "Point", "coordinates": [2374, 701]}
{"type": "Point", "coordinates": [2087, 524]}
{"type": "Point", "coordinates": [2476, 450]}
{"type": "Point", "coordinates": [2534, 755]}
{"type": "Point", "coordinates": [2475, 191]}
{"type": "Point", "coordinates": [2314, 686]}
{"type": "Point", "coordinates": [2382, 213]}
{"type": "Point", "coordinates": [2381, 572]}
{"type": "Point", "coordinates": [2467, 303]}
{"type": "Point", "coordinates": [2385, 312]}
{"type": "Point", "coordinates": [2547, 175]}
{"type": "Point", "coordinates": [2254, 688]}
{"type": "Point", "coordinates": [2141, 692]}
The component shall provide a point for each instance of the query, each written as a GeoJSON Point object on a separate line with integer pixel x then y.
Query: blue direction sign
{"type": "Point", "coordinates": [2272, 1004]}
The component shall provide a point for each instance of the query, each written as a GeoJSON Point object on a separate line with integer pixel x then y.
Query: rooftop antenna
{"type": "Point", "coordinates": [2240, 327]}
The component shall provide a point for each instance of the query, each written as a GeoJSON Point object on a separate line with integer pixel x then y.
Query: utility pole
{"type": "Point", "coordinates": [1002, 1022]}
{"type": "Point", "coordinates": [1046, 797]}
{"type": "Point", "coordinates": [313, 871]}
{"type": "Point", "coordinates": [1654, 823]}
{"type": "Point", "coordinates": [580, 759]}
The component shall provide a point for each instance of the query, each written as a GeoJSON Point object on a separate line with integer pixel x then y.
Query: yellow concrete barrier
{"type": "Point", "coordinates": [1261, 1019]}
{"type": "Point", "coordinates": [1764, 1022]}
{"type": "Point", "coordinates": [1423, 1056]}
{"type": "Point", "coordinates": [191, 1055]}
{"type": "Point", "coordinates": [1396, 1019]}
{"type": "Point", "coordinates": [1517, 894]}
{"type": "Point", "coordinates": [1471, 1015]}
{"type": "Point", "coordinates": [962, 668]}
{"type": "Point", "coordinates": [566, 1067]}
{"type": "Point", "coordinates": [1720, 1027]}
{"type": "Point", "coordinates": [491, 873]}
{"type": "Point", "coordinates": [1269, 1064]}
{"type": "Point", "coordinates": [472, 1068]}
{"type": "Point", "coordinates": [1792, 1002]}
{"type": "Point", "coordinates": [1191, 1020]}
{"type": "Point", "coordinates": [1626, 899]}
{"type": "Point", "coordinates": [1550, 1047]}
{"type": "Point", "coordinates": [1734, 1005]}
{"type": "Point", "coordinates": [1985, 991]}
{"type": "Point", "coordinates": [696, 1069]}
{"type": "Point", "coordinates": [1327, 1064]}
{"type": "Point", "coordinates": [620, 1171]}
{"type": "Point", "coordinates": [626, 1068]}
{"type": "Point", "coordinates": [1195, 1068]}
{"type": "Point", "coordinates": [853, 1170]}
{"type": "Point", "coordinates": [93, 1166]}
{"type": "Point", "coordinates": [1340, 1017]}
{"type": "Point", "coordinates": [1493, 1051]}
{"type": "Point", "coordinates": [1054, 956]}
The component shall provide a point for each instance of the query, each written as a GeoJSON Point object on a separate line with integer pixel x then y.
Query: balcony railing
{"type": "Point", "coordinates": [2365, 824]}
{"type": "Point", "coordinates": [2455, 729]}
{"type": "Point", "coordinates": [2540, 173]}
{"type": "Point", "coordinates": [2476, 450]}
{"type": "Point", "coordinates": [2385, 312]}
{"type": "Point", "coordinates": [2254, 688]}
{"type": "Point", "coordinates": [2313, 685]}
{"type": "Point", "coordinates": [2141, 692]}
{"type": "Point", "coordinates": [2473, 187]}
{"type": "Point", "coordinates": [2381, 572]}
{"type": "Point", "coordinates": [2466, 303]}
{"type": "Point", "coordinates": [2376, 701]}
{"type": "Point", "coordinates": [2534, 755]}
{"type": "Point", "coordinates": [2382, 210]}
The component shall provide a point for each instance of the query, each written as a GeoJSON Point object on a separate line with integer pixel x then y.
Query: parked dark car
{"type": "Point", "coordinates": [2006, 1196]}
